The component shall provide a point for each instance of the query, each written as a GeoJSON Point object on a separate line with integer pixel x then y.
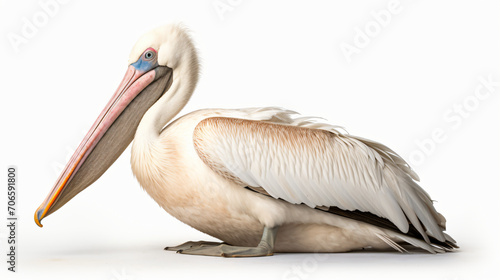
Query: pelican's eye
{"type": "Point", "coordinates": [149, 55]}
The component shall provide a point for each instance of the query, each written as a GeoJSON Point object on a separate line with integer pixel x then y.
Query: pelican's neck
{"type": "Point", "coordinates": [185, 77]}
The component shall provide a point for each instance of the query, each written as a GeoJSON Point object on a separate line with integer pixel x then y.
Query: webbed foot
{"type": "Point", "coordinates": [192, 244]}
{"type": "Point", "coordinates": [265, 247]}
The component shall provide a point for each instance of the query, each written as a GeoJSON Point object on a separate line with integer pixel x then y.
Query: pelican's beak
{"type": "Point", "coordinates": [111, 133]}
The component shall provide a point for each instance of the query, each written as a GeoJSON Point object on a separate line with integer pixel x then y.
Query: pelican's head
{"type": "Point", "coordinates": [154, 62]}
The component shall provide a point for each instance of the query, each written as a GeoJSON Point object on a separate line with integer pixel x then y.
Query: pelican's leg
{"type": "Point", "coordinates": [265, 247]}
{"type": "Point", "coordinates": [192, 244]}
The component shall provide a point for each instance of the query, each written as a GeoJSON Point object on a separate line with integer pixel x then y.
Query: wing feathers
{"type": "Point", "coordinates": [297, 162]}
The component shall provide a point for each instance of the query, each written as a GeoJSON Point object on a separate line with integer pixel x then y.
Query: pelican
{"type": "Point", "coordinates": [262, 180]}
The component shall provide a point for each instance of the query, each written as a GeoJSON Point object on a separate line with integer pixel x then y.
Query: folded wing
{"type": "Point", "coordinates": [319, 168]}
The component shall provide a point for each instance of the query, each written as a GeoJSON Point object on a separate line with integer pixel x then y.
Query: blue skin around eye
{"type": "Point", "coordinates": [144, 65]}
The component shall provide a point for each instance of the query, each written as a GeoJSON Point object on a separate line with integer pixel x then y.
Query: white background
{"type": "Point", "coordinates": [396, 90]}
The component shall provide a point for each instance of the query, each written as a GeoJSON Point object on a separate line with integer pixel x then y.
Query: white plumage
{"type": "Point", "coordinates": [208, 192]}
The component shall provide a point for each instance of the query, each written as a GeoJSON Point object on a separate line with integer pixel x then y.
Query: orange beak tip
{"type": "Point", "coordinates": [37, 220]}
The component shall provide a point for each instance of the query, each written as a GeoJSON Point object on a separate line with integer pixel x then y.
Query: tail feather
{"type": "Point", "coordinates": [391, 242]}
{"type": "Point", "coordinates": [435, 246]}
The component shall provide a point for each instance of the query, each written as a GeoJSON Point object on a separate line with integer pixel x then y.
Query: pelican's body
{"type": "Point", "coordinates": [170, 170]}
{"type": "Point", "coordinates": [259, 179]}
